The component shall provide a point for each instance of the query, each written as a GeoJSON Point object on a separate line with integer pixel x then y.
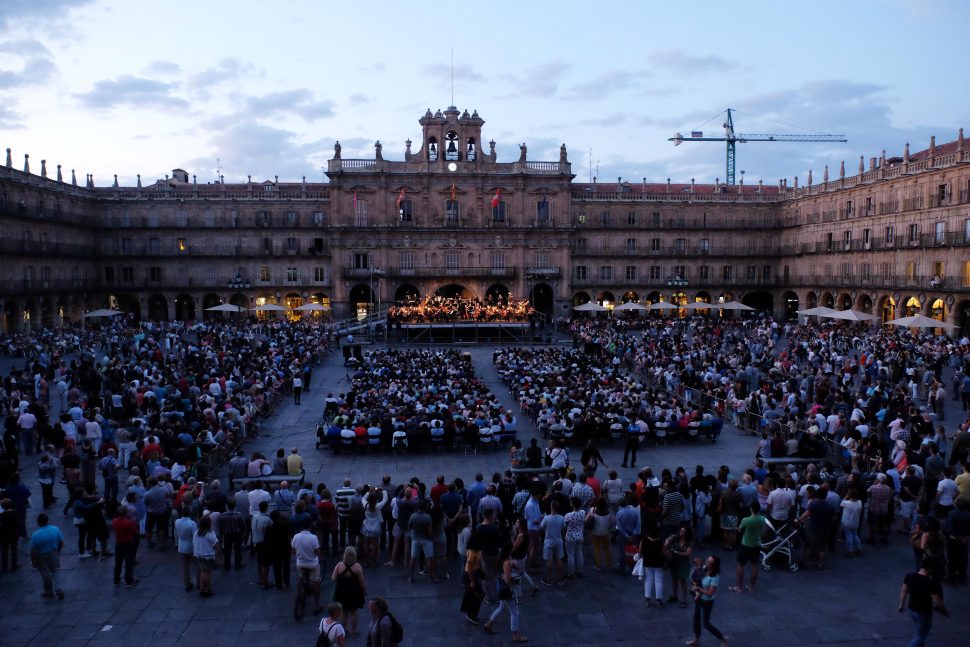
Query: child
{"type": "Point", "coordinates": [696, 576]}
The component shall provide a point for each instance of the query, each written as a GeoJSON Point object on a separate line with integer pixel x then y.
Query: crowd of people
{"type": "Point", "coordinates": [438, 309]}
{"type": "Point", "coordinates": [144, 407]}
{"type": "Point", "coordinates": [411, 400]}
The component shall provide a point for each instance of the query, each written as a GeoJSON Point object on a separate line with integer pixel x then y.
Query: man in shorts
{"type": "Point", "coordinates": [752, 528]}
{"type": "Point", "coordinates": [306, 548]}
{"type": "Point", "coordinates": [419, 526]}
{"type": "Point", "coordinates": [553, 549]}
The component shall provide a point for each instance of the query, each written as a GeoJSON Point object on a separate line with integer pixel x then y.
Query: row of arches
{"type": "Point", "coordinates": [887, 307]}
{"type": "Point", "coordinates": [759, 300]}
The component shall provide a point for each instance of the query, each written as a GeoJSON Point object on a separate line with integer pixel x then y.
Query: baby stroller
{"type": "Point", "coordinates": [779, 541]}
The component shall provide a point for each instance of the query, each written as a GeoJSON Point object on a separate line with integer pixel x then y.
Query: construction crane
{"type": "Point", "coordinates": [733, 139]}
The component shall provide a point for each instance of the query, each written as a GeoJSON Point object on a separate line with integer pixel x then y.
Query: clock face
{"type": "Point", "coordinates": [452, 167]}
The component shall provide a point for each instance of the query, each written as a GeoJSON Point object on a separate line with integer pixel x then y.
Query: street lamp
{"type": "Point", "coordinates": [238, 283]}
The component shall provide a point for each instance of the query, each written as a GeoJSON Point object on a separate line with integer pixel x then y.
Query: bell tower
{"type": "Point", "coordinates": [451, 136]}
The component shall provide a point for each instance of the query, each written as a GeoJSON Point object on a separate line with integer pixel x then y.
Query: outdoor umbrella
{"type": "Point", "coordinates": [590, 306]}
{"type": "Point", "coordinates": [102, 313]}
{"type": "Point", "coordinates": [269, 307]}
{"type": "Point", "coordinates": [629, 305]}
{"type": "Point", "coordinates": [661, 305]}
{"type": "Point", "coordinates": [851, 315]}
{"type": "Point", "coordinates": [734, 305]}
{"type": "Point", "coordinates": [919, 321]}
{"type": "Point", "coordinates": [817, 311]}
{"type": "Point", "coordinates": [312, 307]}
{"type": "Point", "coordinates": [225, 307]}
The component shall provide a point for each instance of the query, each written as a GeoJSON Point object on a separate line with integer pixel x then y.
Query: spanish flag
{"type": "Point", "coordinates": [452, 191]}
{"type": "Point", "coordinates": [400, 198]}
{"type": "Point", "coordinates": [497, 198]}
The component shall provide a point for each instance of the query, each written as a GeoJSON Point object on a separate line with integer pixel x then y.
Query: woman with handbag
{"type": "Point", "coordinates": [509, 592]}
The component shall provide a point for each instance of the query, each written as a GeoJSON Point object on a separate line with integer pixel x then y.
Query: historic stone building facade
{"type": "Point", "coordinates": [451, 219]}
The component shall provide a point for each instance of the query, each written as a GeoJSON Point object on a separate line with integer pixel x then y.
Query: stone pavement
{"type": "Point", "coordinates": [852, 602]}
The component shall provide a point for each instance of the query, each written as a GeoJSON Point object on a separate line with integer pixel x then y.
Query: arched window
{"type": "Point", "coordinates": [470, 149]}
{"type": "Point", "coordinates": [451, 146]}
{"type": "Point", "coordinates": [432, 149]}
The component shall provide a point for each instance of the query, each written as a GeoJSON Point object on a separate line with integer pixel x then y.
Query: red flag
{"type": "Point", "coordinates": [400, 197]}
{"type": "Point", "coordinates": [496, 199]}
{"type": "Point", "coordinates": [452, 191]}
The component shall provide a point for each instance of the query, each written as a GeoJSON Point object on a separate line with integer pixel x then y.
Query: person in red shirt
{"type": "Point", "coordinates": [438, 489]}
{"type": "Point", "coordinates": [126, 545]}
{"type": "Point", "coordinates": [151, 446]}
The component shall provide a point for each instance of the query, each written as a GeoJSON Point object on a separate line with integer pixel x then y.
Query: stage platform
{"type": "Point", "coordinates": [469, 332]}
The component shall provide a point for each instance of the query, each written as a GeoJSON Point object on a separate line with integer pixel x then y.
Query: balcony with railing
{"type": "Point", "coordinates": [398, 272]}
{"type": "Point", "coordinates": [542, 272]}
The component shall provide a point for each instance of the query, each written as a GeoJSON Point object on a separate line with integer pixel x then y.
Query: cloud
{"type": "Point", "coordinates": [10, 119]}
{"type": "Point", "coordinates": [132, 91]}
{"type": "Point", "coordinates": [359, 99]}
{"type": "Point", "coordinates": [680, 62]}
{"type": "Point", "coordinates": [16, 12]}
{"type": "Point", "coordinates": [226, 70]}
{"type": "Point", "coordinates": [299, 102]}
{"type": "Point", "coordinates": [163, 67]}
{"type": "Point", "coordinates": [24, 47]}
{"type": "Point", "coordinates": [540, 81]}
{"type": "Point", "coordinates": [444, 72]}
{"type": "Point", "coordinates": [35, 70]}
{"type": "Point", "coordinates": [606, 84]}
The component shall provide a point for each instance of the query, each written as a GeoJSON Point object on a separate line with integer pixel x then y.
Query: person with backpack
{"type": "Point", "coordinates": [332, 632]}
{"type": "Point", "coordinates": [385, 630]}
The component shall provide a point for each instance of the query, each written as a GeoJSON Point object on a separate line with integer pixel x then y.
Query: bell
{"type": "Point", "coordinates": [451, 147]}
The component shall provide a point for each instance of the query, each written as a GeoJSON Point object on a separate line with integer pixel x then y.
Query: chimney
{"type": "Point", "coordinates": [760, 186]}
{"type": "Point", "coordinates": [825, 175]}
{"type": "Point", "coordinates": [60, 176]}
{"type": "Point", "coordinates": [932, 145]}
{"type": "Point", "coordinates": [692, 185]}
{"type": "Point", "coordinates": [842, 170]}
{"type": "Point", "coordinates": [872, 163]}
{"type": "Point", "coordinates": [43, 168]}
{"type": "Point", "coordinates": [9, 161]}
{"type": "Point", "coordinates": [809, 177]}
{"type": "Point", "coordinates": [26, 163]}
{"type": "Point", "coordinates": [906, 153]}
{"type": "Point", "coordinates": [862, 164]}
{"type": "Point", "coordinates": [959, 141]}
{"type": "Point", "coordinates": [139, 180]}
{"type": "Point", "coordinates": [796, 183]}
{"type": "Point", "coordinates": [73, 178]}
{"type": "Point", "coordinates": [115, 185]}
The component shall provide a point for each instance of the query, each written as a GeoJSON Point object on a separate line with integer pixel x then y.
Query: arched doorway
{"type": "Point", "coordinates": [580, 298]}
{"type": "Point", "coordinates": [727, 296]}
{"type": "Point", "coordinates": [126, 303]}
{"type": "Point", "coordinates": [887, 308]}
{"type": "Point", "coordinates": [543, 301]}
{"type": "Point", "coordinates": [407, 293]}
{"type": "Point", "coordinates": [184, 308]}
{"type": "Point", "coordinates": [811, 300]}
{"type": "Point", "coordinates": [454, 291]}
{"type": "Point", "coordinates": [497, 293]}
{"type": "Point", "coordinates": [827, 300]}
{"type": "Point", "coordinates": [937, 310]}
{"type": "Point", "coordinates": [630, 296]}
{"type": "Point", "coordinates": [360, 299]}
{"type": "Point", "coordinates": [292, 300]}
{"type": "Point", "coordinates": [791, 306]}
{"type": "Point", "coordinates": [678, 299]}
{"type": "Point", "coordinates": [239, 299]}
{"type": "Point", "coordinates": [606, 298]}
{"type": "Point", "coordinates": [157, 308]}
{"type": "Point", "coordinates": [210, 300]}
{"type": "Point", "coordinates": [11, 322]}
{"type": "Point", "coordinates": [653, 297]}
{"type": "Point", "coordinates": [911, 307]}
{"type": "Point", "coordinates": [963, 317]}
{"type": "Point", "coordinates": [759, 300]}
{"type": "Point", "coordinates": [702, 297]}
{"type": "Point", "coordinates": [845, 302]}
{"type": "Point", "coordinates": [864, 303]}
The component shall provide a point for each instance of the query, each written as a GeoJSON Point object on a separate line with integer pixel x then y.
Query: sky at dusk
{"type": "Point", "coordinates": [265, 88]}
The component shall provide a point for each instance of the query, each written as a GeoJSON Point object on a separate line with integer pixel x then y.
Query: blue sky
{"type": "Point", "coordinates": [130, 87]}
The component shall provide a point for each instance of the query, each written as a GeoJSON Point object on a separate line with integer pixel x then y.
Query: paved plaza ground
{"type": "Point", "coordinates": [852, 602]}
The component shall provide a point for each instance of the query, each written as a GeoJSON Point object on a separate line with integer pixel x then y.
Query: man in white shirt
{"type": "Point", "coordinates": [28, 431]}
{"type": "Point", "coordinates": [306, 548]}
{"type": "Point", "coordinates": [258, 495]}
{"type": "Point", "coordinates": [780, 502]}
